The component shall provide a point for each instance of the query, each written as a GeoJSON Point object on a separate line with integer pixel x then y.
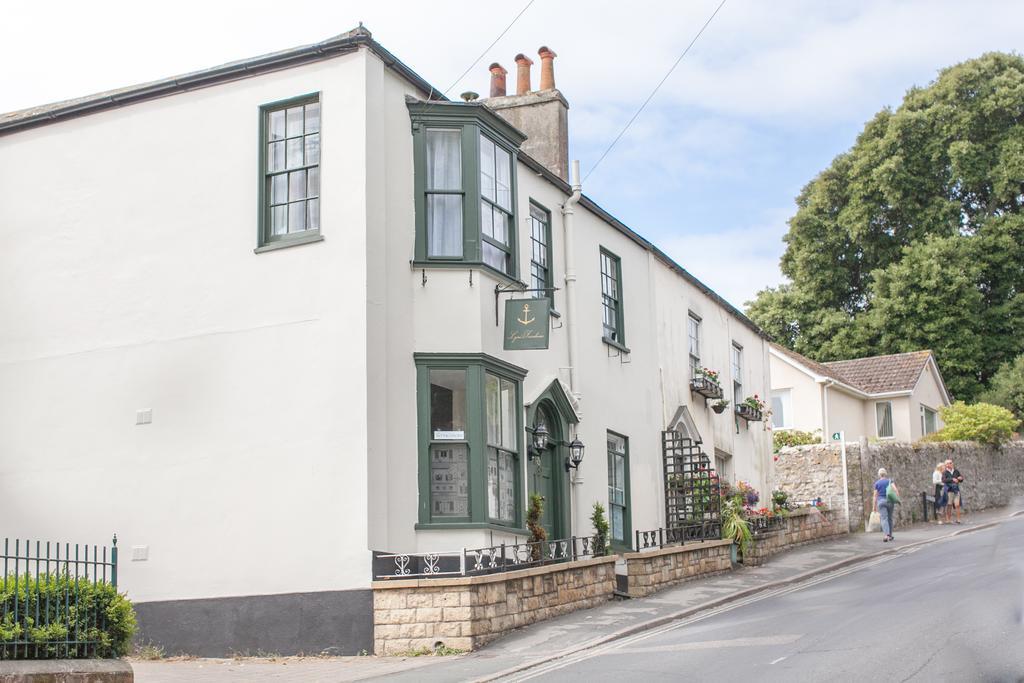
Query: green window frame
{"type": "Point", "coordinates": [541, 261]}
{"type": "Point", "coordinates": [619, 519]}
{"type": "Point", "coordinates": [289, 172]}
{"type": "Point", "coordinates": [470, 433]}
{"type": "Point", "coordinates": [613, 320]}
{"type": "Point", "coordinates": [465, 160]}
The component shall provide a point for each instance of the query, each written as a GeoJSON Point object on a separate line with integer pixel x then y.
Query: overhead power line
{"type": "Point", "coordinates": [488, 48]}
{"type": "Point", "coordinates": [654, 92]}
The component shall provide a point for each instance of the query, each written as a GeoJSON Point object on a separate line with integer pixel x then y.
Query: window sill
{"type": "Point", "coordinates": [616, 345]}
{"type": "Point", "coordinates": [448, 526]}
{"type": "Point", "coordinates": [505, 278]}
{"type": "Point", "coordinates": [285, 243]}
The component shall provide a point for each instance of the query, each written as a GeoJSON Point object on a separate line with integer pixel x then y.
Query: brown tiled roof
{"type": "Point", "coordinates": [873, 375]}
{"type": "Point", "coordinates": [812, 365]}
{"type": "Point", "coordinates": [879, 374]}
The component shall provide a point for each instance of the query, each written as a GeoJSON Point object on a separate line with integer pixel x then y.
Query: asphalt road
{"type": "Point", "coordinates": [947, 611]}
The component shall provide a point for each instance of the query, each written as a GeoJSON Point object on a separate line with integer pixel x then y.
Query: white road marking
{"type": "Point", "coordinates": [776, 661]}
{"type": "Point", "coordinates": [717, 644]}
{"type": "Point", "coordinates": [757, 597]}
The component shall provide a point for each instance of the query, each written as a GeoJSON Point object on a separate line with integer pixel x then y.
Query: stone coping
{"type": "Point", "coordinates": [495, 577]}
{"type": "Point", "coordinates": [675, 549]}
{"type": "Point", "coordinates": [66, 670]}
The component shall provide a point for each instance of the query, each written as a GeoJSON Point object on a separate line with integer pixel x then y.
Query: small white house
{"type": "Point", "coordinates": [255, 322]}
{"type": "Point", "coordinates": [893, 397]}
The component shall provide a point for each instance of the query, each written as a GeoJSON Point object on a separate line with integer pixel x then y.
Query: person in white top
{"type": "Point", "coordinates": [939, 497]}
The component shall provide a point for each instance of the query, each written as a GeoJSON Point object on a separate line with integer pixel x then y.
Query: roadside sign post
{"type": "Point", "coordinates": [840, 436]}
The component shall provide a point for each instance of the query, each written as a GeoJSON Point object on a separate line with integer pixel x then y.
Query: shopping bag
{"type": "Point", "coordinates": [874, 522]}
{"type": "Point", "coordinates": [892, 494]}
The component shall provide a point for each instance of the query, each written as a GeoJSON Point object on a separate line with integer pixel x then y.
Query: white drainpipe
{"type": "Point", "coordinates": [570, 318]}
{"type": "Point", "coordinates": [570, 278]}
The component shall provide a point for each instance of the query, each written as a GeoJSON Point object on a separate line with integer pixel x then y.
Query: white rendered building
{"type": "Point", "coordinates": [250, 323]}
{"type": "Point", "coordinates": [893, 397]}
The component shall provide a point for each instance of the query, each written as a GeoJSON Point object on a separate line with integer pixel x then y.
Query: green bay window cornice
{"type": "Point", "coordinates": [465, 159]}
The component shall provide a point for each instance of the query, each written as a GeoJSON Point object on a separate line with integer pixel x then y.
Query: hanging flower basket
{"type": "Point", "coordinates": [705, 383]}
{"type": "Point", "coordinates": [751, 409]}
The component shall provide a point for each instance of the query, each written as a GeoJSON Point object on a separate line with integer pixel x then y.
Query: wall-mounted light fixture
{"type": "Point", "coordinates": [575, 455]}
{"type": "Point", "coordinates": [540, 440]}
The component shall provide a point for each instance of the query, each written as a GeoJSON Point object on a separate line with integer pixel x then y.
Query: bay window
{"type": "Point", "coordinates": [465, 161]}
{"type": "Point", "coordinates": [470, 434]}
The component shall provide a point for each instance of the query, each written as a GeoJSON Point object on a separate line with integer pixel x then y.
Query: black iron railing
{"type": "Point", "coordinates": [476, 561]}
{"type": "Point", "coordinates": [665, 537]}
{"type": "Point", "coordinates": [53, 598]}
{"type": "Point", "coordinates": [760, 524]}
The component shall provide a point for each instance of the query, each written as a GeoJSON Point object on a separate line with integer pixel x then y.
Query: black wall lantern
{"type": "Point", "coordinates": [540, 440]}
{"type": "Point", "coordinates": [575, 455]}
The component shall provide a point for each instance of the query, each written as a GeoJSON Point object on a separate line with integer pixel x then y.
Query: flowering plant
{"type": "Point", "coordinates": [708, 373]}
{"type": "Point", "coordinates": [747, 494]}
{"type": "Point", "coordinates": [755, 403]}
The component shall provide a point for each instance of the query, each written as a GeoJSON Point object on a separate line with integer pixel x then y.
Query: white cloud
{"type": "Point", "coordinates": [735, 263]}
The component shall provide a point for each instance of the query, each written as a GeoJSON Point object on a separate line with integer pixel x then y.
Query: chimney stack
{"type": "Point", "coordinates": [542, 114]}
{"type": "Point", "coordinates": [523, 64]}
{"type": "Point", "coordinates": [498, 80]}
{"type": "Point", "coordinates": [547, 68]}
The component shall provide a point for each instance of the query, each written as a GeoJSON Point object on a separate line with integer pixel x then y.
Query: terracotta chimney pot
{"type": "Point", "coordinates": [498, 73]}
{"type": "Point", "coordinates": [523, 64]}
{"type": "Point", "coordinates": [547, 68]}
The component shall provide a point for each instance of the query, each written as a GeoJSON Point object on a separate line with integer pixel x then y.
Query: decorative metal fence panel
{"type": "Point", "coordinates": [476, 561]}
{"type": "Point", "coordinates": [761, 524]}
{"type": "Point", "coordinates": [693, 499]}
{"type": "Point", "coordinates": [48, 601]}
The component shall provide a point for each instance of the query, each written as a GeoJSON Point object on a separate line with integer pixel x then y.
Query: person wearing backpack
{"type": "Point", "coordinates": [886, 497]}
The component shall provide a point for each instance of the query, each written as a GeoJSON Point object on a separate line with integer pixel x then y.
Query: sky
{"type": "Point", "coordinates": [766, 98]}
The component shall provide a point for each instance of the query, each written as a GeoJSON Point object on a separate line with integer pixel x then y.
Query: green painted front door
{"type": "Point", "coordinates": [543, 471]}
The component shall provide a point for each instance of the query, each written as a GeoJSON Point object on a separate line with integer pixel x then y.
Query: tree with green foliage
{"type": "Point", "coordinates": [981, 422]}
{"type": "Point", "coordinates": [914, 238]}
{"type": "Point", "coordinates": [1007, 388]}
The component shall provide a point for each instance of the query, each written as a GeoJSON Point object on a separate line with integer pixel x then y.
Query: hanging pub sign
{"type": "Point", "coordinates": [527, 324]}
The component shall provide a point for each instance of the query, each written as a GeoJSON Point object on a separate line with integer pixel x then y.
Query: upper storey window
{"type": "Point", "coordinates": [290, 171]}
{"type": "Point", "coordinates": [465, 187]}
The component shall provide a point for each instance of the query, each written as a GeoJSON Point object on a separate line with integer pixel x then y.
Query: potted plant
{"type": "Point", "coordinates": [735, 527]}
{"type": "Point", "coordinates": [537, 533]}
{"type": "Point", "coordinates": [751, 409]}
{"type": "Point", "coordinates": [705, 382]}
{"type": "Point", "coordinates": [720, 405]}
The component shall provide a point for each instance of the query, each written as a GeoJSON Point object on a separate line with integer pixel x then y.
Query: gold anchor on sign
{"type": "Point", "coordinates": [526, 314]}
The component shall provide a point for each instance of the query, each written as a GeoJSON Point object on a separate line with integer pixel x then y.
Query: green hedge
{"type": "Point", "coordinates": [105, 619]}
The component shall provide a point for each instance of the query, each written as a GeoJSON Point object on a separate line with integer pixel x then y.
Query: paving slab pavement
{"type": "Point", "coordinates": [571, 632]}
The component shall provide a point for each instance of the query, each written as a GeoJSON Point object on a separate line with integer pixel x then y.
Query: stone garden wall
{"type": "Point", "coordinates": [467, 612]}
{"type": "Point", "coordinates": [802, 526]}
{"type": "Point", "coordinates": [650, 571]}
{"type": "Point", "coordinates": [993, 475]}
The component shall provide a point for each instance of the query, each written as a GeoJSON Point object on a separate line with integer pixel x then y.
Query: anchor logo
{"type": "Point", "coordinates": [526, 319]}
